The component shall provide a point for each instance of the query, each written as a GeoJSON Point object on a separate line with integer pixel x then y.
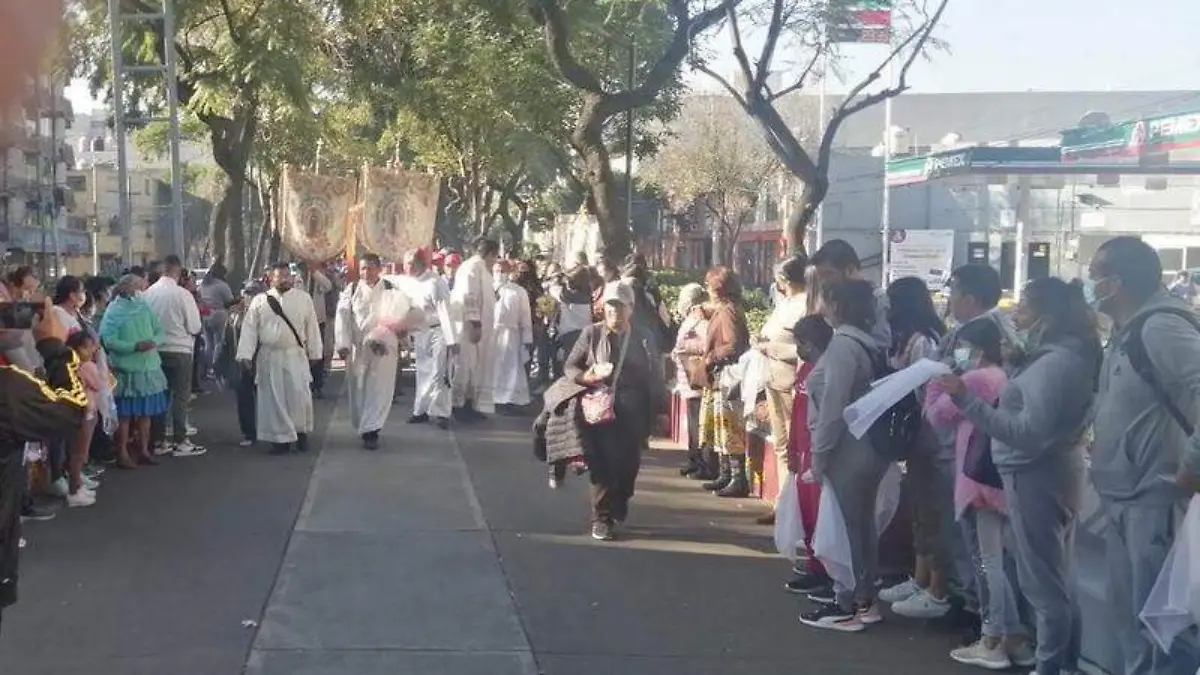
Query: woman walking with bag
{"type": "Point", "coordinates": [721, 426]}
{"type": "Point", "coordinates": [619, 367]}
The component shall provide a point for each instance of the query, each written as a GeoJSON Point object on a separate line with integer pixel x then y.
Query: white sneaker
{"type": "Point", "coordinates": [245, 443]}
{"type": "Point", "coordinates": [90, 484]}
{"type": "Point", "coordinates": [163, 449]}
{"type": "Point", "coordinates": [981, 656]}
{"type": "Point", "coordinates": [59, 488]}
{"type": "Point", "coordinates": [869, 616]}
{"type": "Point", "coordinates": [922, 606]}
{"type": "Point", "coordinates": [81, 498]}
{"type": "Point", "coordinates": [899, 592]}
{"type": "Point", "coordinates": [186, 449]}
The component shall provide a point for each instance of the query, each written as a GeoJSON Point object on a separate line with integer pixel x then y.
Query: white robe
{"type": "Point", "coordinates": [360, 309]}
{"type": "Point", "coordinates": [473, 300]}
{"type": "Point", "coordinates": [284, 401]}
{"type": "Point", "coordinates": [431, 294]}
{"type": "Point", "coordinates": [514, 336]}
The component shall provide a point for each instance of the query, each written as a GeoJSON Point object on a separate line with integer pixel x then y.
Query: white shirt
{"type": "Point", "coordinates": [177, 312]}
{"type": "Point", "coordinates": [512, 311]}
{"type": "Point", "coordinates": [431, 294]}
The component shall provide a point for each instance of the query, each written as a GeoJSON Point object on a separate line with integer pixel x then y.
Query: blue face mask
{"type": "Point", "coordinates": [1089, 291]}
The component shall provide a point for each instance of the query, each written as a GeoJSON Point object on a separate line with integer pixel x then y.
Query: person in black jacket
{"type": "Point", "coordinates": [32, 409]}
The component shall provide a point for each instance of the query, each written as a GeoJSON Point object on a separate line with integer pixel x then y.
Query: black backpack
{"type": "Point", "coordinates": [893, 434]}
{"type": "Point", "coordinates": [1135, 349]}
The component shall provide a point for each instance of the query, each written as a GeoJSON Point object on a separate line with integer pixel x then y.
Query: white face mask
{"type": "Point", "coordinates": [962, 358]}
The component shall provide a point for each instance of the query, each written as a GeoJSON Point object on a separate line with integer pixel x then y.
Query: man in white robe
{"type": "Point", "coordinates": [280, 349]}
{"type": "Point", "coordinates": [513, 327]}
{"type": "Point", "coordinates": [433, 343]}
{"type": "Point", "coordinates": [371, 363]}
{"type": "Point", "coordinates": [472, 302]}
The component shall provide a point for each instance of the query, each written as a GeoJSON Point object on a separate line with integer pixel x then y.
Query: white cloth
{"type": "Point", "coordinates": [284, 401]}
{"type": "Point", "coordinates": [750, 374]}
{"type": "Point", "coordinates": [364, 314]}
{"type": "Point", "coordinates": [789, 525]}
{"type": "Point", "coordinates": [177, 312]}
{"type": "Point", "coordinates": [431, 293]}
{"type": "Point", "coordinates": [831, 544]}
{"type": "Point", "coordinates": [473, 300]}
{"type": "Point", "coordinates": [514, 337]}
{"type": "Point", "coordinates": [1174, 603]}
{"type": "Point", "coordinates": [886, 392]}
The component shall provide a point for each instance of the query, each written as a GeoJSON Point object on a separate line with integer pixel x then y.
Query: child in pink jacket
{"type": "Point", "coordinates": [980, 508]}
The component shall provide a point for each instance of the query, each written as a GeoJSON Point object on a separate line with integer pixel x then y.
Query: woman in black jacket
{"type": "Point", "coordinates": [615, 354]}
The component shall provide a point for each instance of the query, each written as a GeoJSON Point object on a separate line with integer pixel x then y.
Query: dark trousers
{"type": "Point", "coordinates": [178, 369]}
{"type": "Point", "coordinates": [564, 345]}
{"type": "Point", "coordinates": [693, 422]}
{"type": "Point", "coordinates": [12, 495]}
{"type": "Point", "coordinates": [246, 401]}
{"type": "Point", "coordinates": [317, 368]}
{"type": "Point", "coordinates": [613, 465]}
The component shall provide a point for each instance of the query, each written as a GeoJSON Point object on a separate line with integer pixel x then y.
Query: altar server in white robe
{"type": "Point", "coordinates": [373, 362]}
{"type": "Point", "coordinates": [280, 337]}
{"type": "Point", "coordinates": [433, 343]}
{"type": "Point", "coordinates": [514, 338]}
{"type": "Point", "coordinates": [472, 303]}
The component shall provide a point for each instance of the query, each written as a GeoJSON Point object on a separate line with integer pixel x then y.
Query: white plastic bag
{"type": "Point", "coordinates": [789, 526]}
{"type": "Point", "coordinates": [1174, 603]}
{"type": "Point", "coordinates": [886, 392]}
{"type": "Point", "coordinates": [831, 544]}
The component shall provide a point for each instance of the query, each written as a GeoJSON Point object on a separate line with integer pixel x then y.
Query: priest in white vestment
{"type": "Point", "coordinates": [514, 339]}
{"type": "Point", "coordinates": [433, 342]}
{"type": "Point", "coordinates": [368, 346]}
{"type": "Point", "coordinates": [472, 303]}
{"type": "Point", "coordinates": [280, 337]}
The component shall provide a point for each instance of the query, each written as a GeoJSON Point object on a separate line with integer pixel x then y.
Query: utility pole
{"type": "Point", "coordinates": [116, 21]}
{"type": "Point", "coordinates": [632, 75]}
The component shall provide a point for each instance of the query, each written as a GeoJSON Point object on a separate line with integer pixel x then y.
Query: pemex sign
{"type": "Point", "coordinates": [1133, 140]}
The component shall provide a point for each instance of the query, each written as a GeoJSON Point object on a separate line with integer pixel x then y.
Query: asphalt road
{"type": "Point", "coordinates": [441, 553]}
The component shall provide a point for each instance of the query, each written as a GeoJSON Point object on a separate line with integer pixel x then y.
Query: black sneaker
{"type": "Point", "coordinates": [807, 583]}
{"type": "Point", "coordinates": [602, 531]}
{"type": "Point", "coordinates": [833, 617]}
{"type": "Point", "coordinates": [443, 423]}
{"type": "Point", "coordinates": [371, 440]}
{"type": "Point", "coordinates": [418, 419]}
{"type": "Point", "coordinates": [37, 513]}
{"type": "Point", "coordinates": [823, 596]}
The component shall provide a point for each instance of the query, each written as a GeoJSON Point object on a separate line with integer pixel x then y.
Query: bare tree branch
{"type": "Point", "coordinates": [818, 52]}
{"type": "Point", "coordinates": [558, 40]}
{"type": "Point", "coordinates": [774, 30]}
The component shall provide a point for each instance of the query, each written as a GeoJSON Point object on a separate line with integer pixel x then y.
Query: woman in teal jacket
{"type": "Point", "coordinates": [131, 334]}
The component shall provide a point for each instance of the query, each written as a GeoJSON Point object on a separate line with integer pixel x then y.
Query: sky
{"type": "Point", "coordinates": [1022, 45]}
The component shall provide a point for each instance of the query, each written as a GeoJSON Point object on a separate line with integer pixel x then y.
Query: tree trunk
{"type": "Point", "coordinates": [264, 232]}
{"type": "Point", "coordinates": [218, 227]}
{"type": "Point", "coordinates": [235, 254]}
{"type": "Point", "coordinates": [232, 143]}
{"type": "Point", "coordinates": [588, 140]}
{"type": "Point", "coordinates": [797, 228]}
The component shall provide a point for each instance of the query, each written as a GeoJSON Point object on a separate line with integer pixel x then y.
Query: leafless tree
{"type": "Point", "coordinates": [802, 24]}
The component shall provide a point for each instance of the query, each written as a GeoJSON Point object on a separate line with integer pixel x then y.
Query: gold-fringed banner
{"type": "Point", "coordinates": [399, 211]}
{"type": "Point", "coordinates": [315, 212]}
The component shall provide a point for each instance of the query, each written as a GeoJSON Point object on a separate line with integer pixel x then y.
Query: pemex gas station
{"type": "Point", "coordinates": [1041, 208]}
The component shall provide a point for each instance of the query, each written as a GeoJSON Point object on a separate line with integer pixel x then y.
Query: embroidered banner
{"type": "Point", "coordinates": [399, 210]}
{"type": "Point", "coordinates": [315, 213]}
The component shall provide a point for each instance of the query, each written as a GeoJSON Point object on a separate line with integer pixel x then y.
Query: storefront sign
{"type": "Point", "coordinates": [1134, 140]}
{"type": "Point", "coordinates": [941, 165]}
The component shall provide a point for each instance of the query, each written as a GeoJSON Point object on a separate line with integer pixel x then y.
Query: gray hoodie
{"type": "Point", "coordinates": [1044, 411]}
{"type": "Point", "coordinates": [842, 374]}
{"type": "Point", "coordinates": [1137, 445]}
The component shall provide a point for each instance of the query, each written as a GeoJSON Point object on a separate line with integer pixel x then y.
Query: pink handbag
{"type": "Point", "coordinates": [599, 404]}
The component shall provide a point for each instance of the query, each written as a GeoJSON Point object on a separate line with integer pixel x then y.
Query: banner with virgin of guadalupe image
{"type": "Point", "coordinates": [399, 210]}
{"type": "Point", "coordinates": [315, 213]}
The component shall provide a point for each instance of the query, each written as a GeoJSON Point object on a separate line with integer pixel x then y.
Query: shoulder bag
{"type": "Point", "coordinates": [599, 404]}
{"type": "Point", "coordinates": [278, 309]}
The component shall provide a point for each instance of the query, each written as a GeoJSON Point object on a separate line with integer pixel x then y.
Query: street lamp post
{"type": "Point", "coordinates": [632, 74]}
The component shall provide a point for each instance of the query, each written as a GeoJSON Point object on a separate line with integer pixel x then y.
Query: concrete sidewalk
{"type": "Point", "coordinates": [391, 568]}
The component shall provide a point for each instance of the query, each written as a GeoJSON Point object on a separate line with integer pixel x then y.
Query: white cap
{"type": "Point", "coordinates": [619, 291]}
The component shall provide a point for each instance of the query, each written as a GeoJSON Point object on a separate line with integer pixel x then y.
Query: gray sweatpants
{"type": "Point", "coordinates": [1137, 541]}
{"type": "Point", "coordinates": [1043, 504]}
{"type": "Point", "coordinates": [855, 474]}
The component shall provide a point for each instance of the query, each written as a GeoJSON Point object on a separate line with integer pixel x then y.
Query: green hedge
{"type": "Point", "coordinates": [670, 281]}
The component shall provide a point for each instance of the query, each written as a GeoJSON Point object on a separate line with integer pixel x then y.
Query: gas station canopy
{"type": "Point", "coordinates": [1168, 145]}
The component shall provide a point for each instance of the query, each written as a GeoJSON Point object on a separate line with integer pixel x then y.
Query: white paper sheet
{"type": "Point", "coordinates": [885, 392]}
